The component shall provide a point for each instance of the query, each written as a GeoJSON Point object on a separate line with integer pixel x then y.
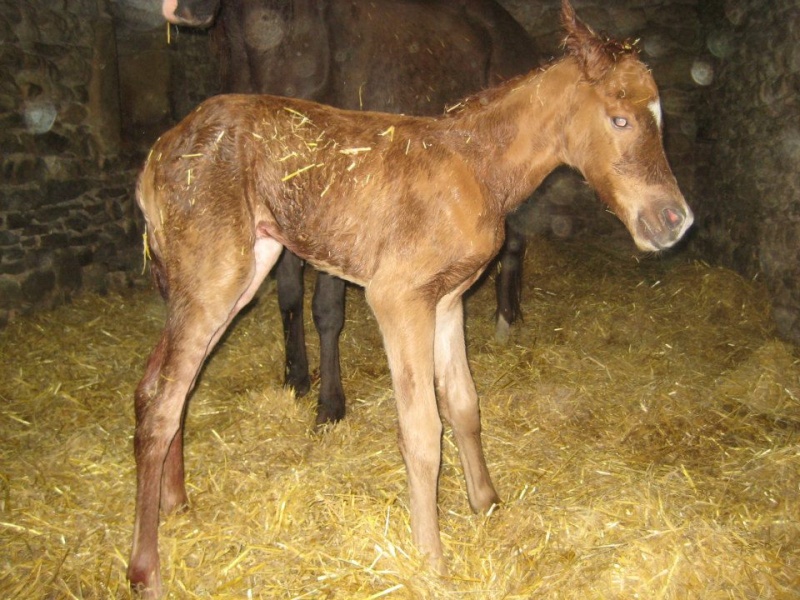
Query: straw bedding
{"type": "Point", "coordinates": [641, 427]}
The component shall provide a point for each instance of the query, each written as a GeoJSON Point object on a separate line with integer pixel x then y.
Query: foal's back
{"type": "Point", "coordinates": [373, 187]}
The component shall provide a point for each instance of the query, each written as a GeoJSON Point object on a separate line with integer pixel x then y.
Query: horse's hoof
{"type": "Point", "coordinates": [502, 331]}
{"type": "Point", "coordinates": [328, 415]}
{"type": "Point", "coordinates": [301, 385]}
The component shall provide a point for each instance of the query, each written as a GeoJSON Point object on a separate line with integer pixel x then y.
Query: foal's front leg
{"type": "Point", "coordinates": [407, 325]}
{"type": "Point", "coordinates": [459, 400]}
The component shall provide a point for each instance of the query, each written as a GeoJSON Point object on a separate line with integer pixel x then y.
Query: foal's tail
{"type": "Point", "coordinates": [145, 198]}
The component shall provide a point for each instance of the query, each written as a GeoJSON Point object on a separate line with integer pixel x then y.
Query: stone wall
{"type": "Point", "coordinates": [65, 213]}
{"type": "Point", "coordinates": [87, 85]}
{"type": "Point", "coordinates": [749, 209]}
{"type": "Point", "coordinates": [85, 88]}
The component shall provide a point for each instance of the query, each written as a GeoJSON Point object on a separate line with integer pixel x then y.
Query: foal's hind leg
{"type": "Point", "coordinates": [459, 400]}
{"type": "Point", "coordinates": [202, 306]}
{"type": "Point", "coordinates": [160, 399]}
{"type": "Point", "coordinates": [173, 486]}
{"type": "Point", "coordinates": [173, 489]}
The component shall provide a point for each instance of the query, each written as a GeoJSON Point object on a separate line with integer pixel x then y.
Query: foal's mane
{"type": "Point", "coordinates": [479, 100]}
{"type": "Point", "coordinates": [596, 53]}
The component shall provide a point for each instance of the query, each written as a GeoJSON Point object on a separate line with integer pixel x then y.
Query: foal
{"type": "Point", "coordinates": [355, 54]}
{"type": "Point", "coordinates": [410, 208]}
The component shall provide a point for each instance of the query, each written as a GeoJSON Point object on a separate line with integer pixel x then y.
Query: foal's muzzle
{"type": "Point", "coordinates": [660, 228]}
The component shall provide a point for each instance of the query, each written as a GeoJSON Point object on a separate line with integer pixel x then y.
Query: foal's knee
{"type": "Point", "coordinates": [465, 420]}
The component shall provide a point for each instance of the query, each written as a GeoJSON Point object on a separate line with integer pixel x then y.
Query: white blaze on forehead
{"type": "Point", "coordinates": [655, 108]}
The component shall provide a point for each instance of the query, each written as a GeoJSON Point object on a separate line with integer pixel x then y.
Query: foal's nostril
{"type": "Point", "coordinates": [672, 218]}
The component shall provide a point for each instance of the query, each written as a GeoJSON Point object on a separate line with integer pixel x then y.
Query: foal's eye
{"type": "Point", "coordinates": [619, 122]}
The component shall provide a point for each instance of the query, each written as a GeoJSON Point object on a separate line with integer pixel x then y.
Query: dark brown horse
{"type": "Point", "coordinates": [411, 208]}
{"type": "Point", "coordinates": [405, 56]}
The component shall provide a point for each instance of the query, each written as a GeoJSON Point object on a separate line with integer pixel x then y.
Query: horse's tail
{"type": "Point", "coordinates": [146, 199]}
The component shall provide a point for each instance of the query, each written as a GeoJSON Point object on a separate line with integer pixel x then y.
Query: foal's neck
{"type": "Point", "coordinates": [515, 133]}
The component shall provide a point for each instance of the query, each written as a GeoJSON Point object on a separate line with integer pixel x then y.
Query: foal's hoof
{"type": "Point", "coordinates": [145, 583]}
{"type": "Point", "coordinates": [484, 500]}
{"type": "Point", "coordinates": [439, 566]}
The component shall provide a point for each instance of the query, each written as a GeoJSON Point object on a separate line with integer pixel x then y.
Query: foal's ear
{"type": "Point", "coordinates": [585, 45]}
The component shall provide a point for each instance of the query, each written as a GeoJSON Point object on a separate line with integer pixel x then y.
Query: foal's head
{"type": "Point", "coordinates": [614, 137]}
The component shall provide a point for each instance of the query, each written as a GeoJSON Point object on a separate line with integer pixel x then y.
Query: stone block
{"type": "Point", "coordinates": [94, 278]}
{"type": "Point", "coordinates": [50, 143]}
{"type": "Point", "coordinates": [9, 238]}
{"type": "Point", "coordinates": [36, 285]}
{"type": "Point", "coordinates": [20, 168]}
{"type": "Point", "coordinates": [9, 122]}
{"type": "Point", "coordinates": [13, 267]}
{"type": "Point", "coordinates": [12, 253]}
{"type": "Point", "coordinates": [10, 292]}
{"type": "Point", "coordinates": [77, 221]}
{"type": "Point", "coordinates": [58, 191]}
{"type": "Point", "coordinates": [58, 239]}
{"type": "Point", "coordinates": [68, 271]}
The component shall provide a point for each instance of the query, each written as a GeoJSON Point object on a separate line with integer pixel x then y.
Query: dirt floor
{"type": "Point", "coordinates": [641, 426]}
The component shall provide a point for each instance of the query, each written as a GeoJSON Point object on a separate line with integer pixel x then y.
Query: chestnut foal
{"type": "Point", "coordinates": [411, 208]}
{"type": "Point", "coordinates": [429, 54]}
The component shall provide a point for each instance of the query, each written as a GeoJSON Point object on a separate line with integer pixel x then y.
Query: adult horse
{"type": "Point", "coordinates": [411, 208]}
{"type": "Point", "coordinates": [403, 56]}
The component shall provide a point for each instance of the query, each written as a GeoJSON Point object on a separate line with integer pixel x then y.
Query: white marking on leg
{"type": "Point", "coordinates": [502, 330]}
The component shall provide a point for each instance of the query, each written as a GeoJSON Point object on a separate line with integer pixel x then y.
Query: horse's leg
{"type": "Point", "coordinates": [459, 400]}
{"type": "Point", "coordinates": [407, 324]}
{"type": "Point", "coordinates": [194, 325]}
{"type": "Point", "coordinates": [289, 275]}
{"type": "Point", "coordinates": [328, 311]}
{"type": "Point", "coordinates": [509, 283]}
{"type": "Point", "coordinates": [173, 487]}
{"type": "Point", "coordinates": [160, 399]}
